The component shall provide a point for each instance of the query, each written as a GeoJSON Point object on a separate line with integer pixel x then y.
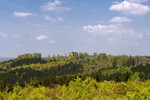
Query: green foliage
{"type": "Point", "coordinates": [28, 93]}
{"type": "Point", "coordinates": [1, 96]}
{"type": "Point", "coordinates": [88, 89]}
{"type": "Point", "coordinates": [135, 76]}
{"type": "Point", "coordinates": [79, 76]}
{"type": "Point", "coordinates": [141, 91]}
{"type": "Point", "coordinates": [85, 89]}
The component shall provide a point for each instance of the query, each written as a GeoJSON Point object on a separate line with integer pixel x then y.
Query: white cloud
{"type": "Point", "coordinates": [49, 18]}
{"type": "Point", "coordinates": [138, 1]}
{"type": "Point", "coordinates": [120, 19]}
{"type": "Point", "coordinates": [41, 37]}
{"type": "Point", "coordinates": [21, 14]}
{"type": "Point", "coordinates": [140, 35]}
{"type": "Point", "coordinates": [3, 35]}
{"type": "Point", "coordinates": [132, 8]}
{"type": "Point", "coordinates": [59, 19]}
{"type": "Point", "coordinates": [54, 6]}
{"type": "Point", "coordinates": [113, 29]}
{"type": "Point", "coordinates": [52, 41]}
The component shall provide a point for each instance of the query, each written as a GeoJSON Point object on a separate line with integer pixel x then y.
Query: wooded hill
{"type": "Point", "coordinates": [31, 70]}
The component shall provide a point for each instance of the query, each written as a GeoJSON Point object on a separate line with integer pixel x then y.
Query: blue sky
{"type": "Point", "coordinates": [60, 26]}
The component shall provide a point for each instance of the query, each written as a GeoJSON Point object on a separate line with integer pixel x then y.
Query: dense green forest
{"type": "Point", "coordinates": [78, 76]}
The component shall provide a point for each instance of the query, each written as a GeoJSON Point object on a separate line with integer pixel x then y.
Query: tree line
{"type": "Point", "coordinates": [49, 71]}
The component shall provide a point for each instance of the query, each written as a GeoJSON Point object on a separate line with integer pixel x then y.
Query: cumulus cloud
{"type": "Point", "coordinates": [3, 35]}
{"type": "Point", "coordinates": [113, 29]}
{"type": "Point", "coordinates": [138, 1]}
{"type": "Point", "coordinates": [58, 19]}
{"type": "Point", "coordinates": [41, 37]}
{"type": "Point", "coordinates": [22, 14]}
{"type": "Point", "coordinates": [130, 8]}
{"type": "Point", "coordinates": [120, 19]}
{"type": "Point", "coordinates": [54, 6]}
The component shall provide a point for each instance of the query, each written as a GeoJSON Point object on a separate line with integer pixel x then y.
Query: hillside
{"type": "Point", "coordinates": [76, 76]}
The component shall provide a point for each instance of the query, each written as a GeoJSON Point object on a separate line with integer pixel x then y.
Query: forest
{"type": "Point", "coordinates": [78, 76]}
